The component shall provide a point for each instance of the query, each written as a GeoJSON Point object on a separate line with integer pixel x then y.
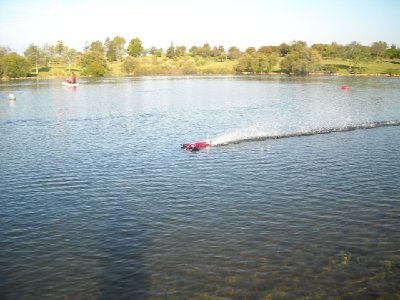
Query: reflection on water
{"type": "Point", "coordinates": [99, 201]}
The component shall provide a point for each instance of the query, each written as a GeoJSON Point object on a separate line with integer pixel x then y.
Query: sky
{"type": "Point", "coordinates": [158, 23]}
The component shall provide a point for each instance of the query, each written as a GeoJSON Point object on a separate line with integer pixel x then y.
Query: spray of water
{"type": "Point", "coordinates": [261, 134]}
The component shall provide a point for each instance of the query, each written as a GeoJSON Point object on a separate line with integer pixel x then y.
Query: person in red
{"type": "Point", "coordinates": [73, 77]}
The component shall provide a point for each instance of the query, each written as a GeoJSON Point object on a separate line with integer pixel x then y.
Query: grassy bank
{"type": "Point", "coordinates": [199, 66]}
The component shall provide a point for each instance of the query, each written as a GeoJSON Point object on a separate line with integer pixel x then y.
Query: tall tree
{"type": "Point", "coordinates": [283, 49]}
{"type": "Point", "coordinates": [115, 48]}
{"type": "Point", "coordinates": [204, 51]}
{"type": "Point", "coordinates": [49, 54]}
{"type": "Point", "coordinates": [32, 53]}
{"type": "Point", "coordinates": [267, 50]}
{"type": "Point", "coordinates": [301, 60]}
{"type": "Point", "coordinates": [378, 48]}
{"type": "Point", "coordinates": [180, 50]}
{"type": "Point", "coordinates": [171, 51]}
{"type": "Point", "coordinates": [135, 47]}
{"type": "Point", "coordinates": [358, 55]}
{"type": "Point", "coordinates": [59, 48]}
{"type": "Point", "coordinates": [97, 46]}
{"type": "Point", "coordinates": [217, 51]}
{"type": "Point", "coordinates": [233, 53]}
{"type": "Point", "coordinates": [251, 51]}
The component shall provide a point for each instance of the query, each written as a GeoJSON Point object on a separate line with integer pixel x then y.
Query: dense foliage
{"type": "Point", "coordinates": [301, 60]}
{"type": "Point", "coordinates": [97, 57]}
{"type": "Point", "coordinates": [13, 65]}
{"type": "Point", "coordinates": [93, 63]}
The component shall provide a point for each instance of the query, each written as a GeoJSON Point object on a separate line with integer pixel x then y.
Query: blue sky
{"type": "Point", "coordinates": [241, 23]}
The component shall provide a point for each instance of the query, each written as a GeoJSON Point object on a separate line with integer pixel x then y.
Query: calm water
{"type": "Point", "coordinates": [299, 196]}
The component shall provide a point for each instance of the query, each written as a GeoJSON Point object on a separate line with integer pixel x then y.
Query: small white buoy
{"type": "Point", "coordinates": [12, 97]}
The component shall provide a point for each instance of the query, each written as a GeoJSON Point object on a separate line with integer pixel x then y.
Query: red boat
{"type": "Point", "coordinates": [196, 146]}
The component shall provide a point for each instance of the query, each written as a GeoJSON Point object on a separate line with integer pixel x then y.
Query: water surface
{"type": "Point", "coordinates": [297, 198]}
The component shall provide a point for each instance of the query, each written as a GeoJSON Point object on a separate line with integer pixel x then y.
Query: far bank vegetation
{"type": "Point", "coordinates": [118, 57]}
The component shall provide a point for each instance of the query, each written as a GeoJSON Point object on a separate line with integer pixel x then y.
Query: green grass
{"type": "Point", "coordinates": [391, 67]}
{"type": "Point", "coordinates": [181, 66]}
{"type": "Point", "coordinates": [383, 67]}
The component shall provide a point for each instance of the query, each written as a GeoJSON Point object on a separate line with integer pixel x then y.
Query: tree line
{"type": "Point", "coordinates": [294, 58]}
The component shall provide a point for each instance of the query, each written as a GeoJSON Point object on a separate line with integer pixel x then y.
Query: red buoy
{"type": "Point", "coordinates": [344, 87]}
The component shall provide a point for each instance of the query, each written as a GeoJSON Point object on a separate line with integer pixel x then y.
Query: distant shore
{"type": "Point", "coordinates": [194, 75]}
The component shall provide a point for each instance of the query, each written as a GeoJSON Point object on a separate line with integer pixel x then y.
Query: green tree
{"type": "Point", "coordinates": [33, 54]}
{"type": "Point", "coordinates": [283, 49]}
{"type": "Point", "coordinates": [180, 50]}
{"type": "Point", "coordinates": [270, 62]}
{"type": "Point", "coordinates": [135, 47]}
{"type": "Point", "coordinates": [3, 52]}
{"type": "Point", "coordinates": [217, 51]}
{"type": "Point", "coordinates": [129, 64]}
{"type": "Point", "coordinates": [245, 63]}
{"type": "Point", "coordinates": [97, 46]}
{"type": "Point", "coordinates": [392, 53]}
{"type": "Point", "coordinates": [267, 50]}
{"type": "Point", "coordinates": [378, 49]}
{"type": "Point", "coordinates": [327, 50]}
{"type": "Point", "coordinates": [301, 60]}
{"type": "Point", "coordinates": [70, 56]}
{"type": "Point", "coordinates": [251, 51]}
{"type": "Point", "coordinates": [93, 63]}
{"type": "Point", "coordinates": [204, 51]}
{"type": "Point", "coordinates": [59, 48]}
{"type": "Point", "coordinates": [233, 53]}
{"type": "Point", "coordinates": [49, 54]}
{"type": "Point", "coordinates": [114, 48]}
{"type": "Point", "coordinates": [119, 43]}
{"type": "Point", "coordinates": [298, 46]}
{"type": "Point", "coordinates": [171, 51]}
{"type": "Point", "coordinates": [357, 55]}
{"type": "Point", "coordinates": [16, 66]}
{"type": "Point", "coordinates": [334, 50]}
{"type": "Point", "coordinates": [257, 63]}
{"type": "Point", "coordinates": [157, 52]}
{"type": "Point", "coordinates": [193, 50]}
{"type": "Point", "coordinates": [110, 50]}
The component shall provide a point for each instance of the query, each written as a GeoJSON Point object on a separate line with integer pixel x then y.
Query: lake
{"type": "Point", "coordinates": [297, 198]}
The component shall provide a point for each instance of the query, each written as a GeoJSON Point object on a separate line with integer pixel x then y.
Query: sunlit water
{"type": "Point", "coordinates": [298, 196]}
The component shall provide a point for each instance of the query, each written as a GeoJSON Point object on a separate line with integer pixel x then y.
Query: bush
{"type": "Point", "coordinates": [14, 66]}
{"type": "Point", "coordinates": [93, 63]}
{"type": "Point", "coordinates": [301, 61]}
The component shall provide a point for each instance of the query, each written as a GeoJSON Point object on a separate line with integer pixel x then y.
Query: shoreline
{"type": "Point", "coordinates": [204, 74]}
